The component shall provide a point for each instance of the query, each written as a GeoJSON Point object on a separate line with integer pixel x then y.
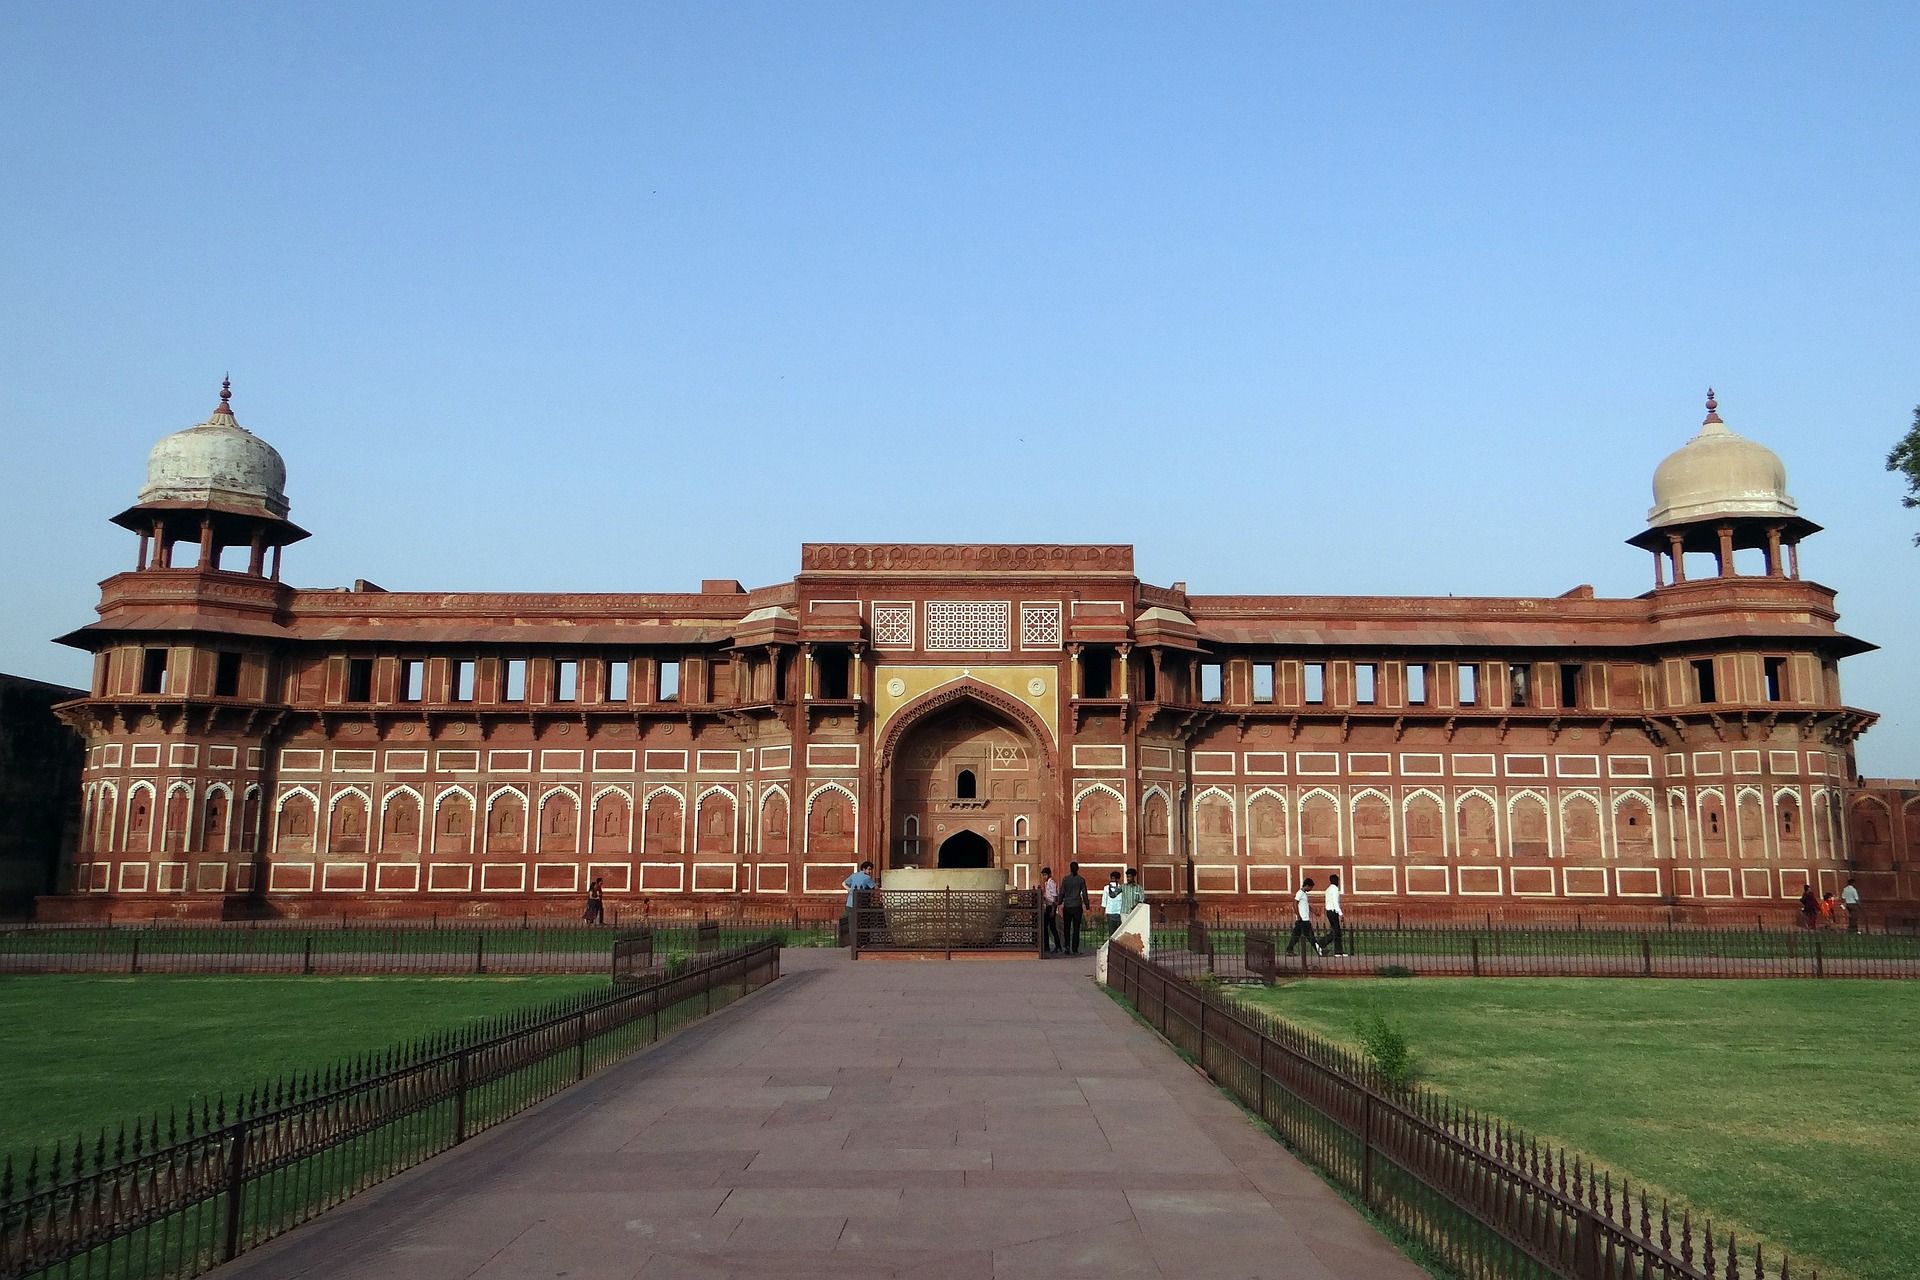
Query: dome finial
{"type": "Point", "coordinates": [1713, 409]}
{"type": "Point", "coordinates": [226, 393]}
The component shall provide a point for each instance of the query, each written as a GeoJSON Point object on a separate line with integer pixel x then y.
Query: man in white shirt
{"type": "Point", "coordinates": [1303, 918]}
{"type": "Point", "coordinates": [1850, 899]}
{"type": "Point", "coordinates": [1050, 911]}
{"type": "Point", "coordinates": [1113, 902]}
{"type": "Point", "coordinates": [1335, 942]}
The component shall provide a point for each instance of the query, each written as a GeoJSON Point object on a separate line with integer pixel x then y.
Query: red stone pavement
{"type": "Point", "coordinates": [978, 1119]}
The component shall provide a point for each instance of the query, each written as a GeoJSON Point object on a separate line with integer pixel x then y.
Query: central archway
{"type": "Point", "coordinates": [965, 849]}
{"type": "Point", "coordinates": [961, 761]}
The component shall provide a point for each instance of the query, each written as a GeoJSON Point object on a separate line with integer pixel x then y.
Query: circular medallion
{"type": "Point", "coordinates": [1036, 686]}
{"type": "Point", "coordinates": [896, 687]}
{"type": "Point", "coordinates": [564, 730]}
{"type": "Point", "coordinates": [405, 731]}
{"type": "Point", "coordinates": [460, 731]}
{"type": "Point", "coordinates": [1266, 733]}
{"type": "Point", "coordinates": [354, 730]}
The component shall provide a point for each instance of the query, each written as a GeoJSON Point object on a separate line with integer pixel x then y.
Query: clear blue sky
{"type": "Point", "coordinates": [1301, 298]}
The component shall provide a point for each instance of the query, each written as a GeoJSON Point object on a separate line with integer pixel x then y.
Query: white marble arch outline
{"type": "Point", "coordinates": [387, 798]}
{"type": "Point", "coordinates": [1340, 817]}
{"type": "Point", "coordinates": [853, 801]}
{"type": "Point", "coordinates": [593, 807]}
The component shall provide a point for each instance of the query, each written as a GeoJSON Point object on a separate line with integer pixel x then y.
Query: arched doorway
{"type": "Point", "coordinates": [964, 763]}
{"type": "Point", "coordinates": [965, 849]}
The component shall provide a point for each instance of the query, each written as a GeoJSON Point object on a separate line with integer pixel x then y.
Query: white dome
{"type": "Point", "coordinates": [219, 463]}
{"type": "Point", "coordinates": [1718, 473]}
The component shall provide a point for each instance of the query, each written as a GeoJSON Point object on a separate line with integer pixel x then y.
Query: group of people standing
{"type": "Point", "coordinates": [1064, 904]}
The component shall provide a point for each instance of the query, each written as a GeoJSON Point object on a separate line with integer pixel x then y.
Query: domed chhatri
{"type": "Point", "coordinates": [219, 464]}
{"type": "Point", "coordinates": [1718, 473]}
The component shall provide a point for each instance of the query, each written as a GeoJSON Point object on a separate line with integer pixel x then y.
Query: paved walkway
{"type": "Point", "coordinates": [926, 1119]}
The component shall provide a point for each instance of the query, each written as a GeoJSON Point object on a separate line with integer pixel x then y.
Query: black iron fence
{"type": "Point", "coordinates": [174, 1200]}
{"type": "Point", "coordinates": [1488, 1200]}
{"type": "Point", "coordinates": [1252, 952]}
{"type": "Point", "coordinates": [359, 947]}
{"type": "Point", "coordinates": [945, 920]}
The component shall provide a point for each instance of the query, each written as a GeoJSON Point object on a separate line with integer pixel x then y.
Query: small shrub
{"type": "Point", "coordinates": [1388, 1051]}
{"type": "Point", "coordinates": [1393, 971]}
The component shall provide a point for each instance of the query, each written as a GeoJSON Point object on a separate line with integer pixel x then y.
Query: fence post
{"type": "Point", "coordinates": [1646, 957]}
{"type": "Point", "coordinates": [1265, 1115]}
{"type": "Point", "coordinates": [236, 1187]}
{"type": "Point", "coordinates": [1819, 957]}
{"type": "Point", "coordinates": [479, 952]}
{"type": "Point", "coordinates": [306, 957]}
{"type": "Point", "coordinates": [1366, 1149]}
{"type": "Point", "coordinates": [656, 1015]}
{"type": "Point", "coordinates": [1475, 944]}
{"type": "Point", "coordinates": [1202, 1055]}
{"type": "Point", "coordinates": [460, 1097]}
{"type": "Point", "coordinates": [135, 968]}
{"type": "Point", "coordinates": [580, 1041]}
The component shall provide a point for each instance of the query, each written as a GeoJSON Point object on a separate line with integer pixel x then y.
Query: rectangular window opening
{"type": "Point", "coordinates": [1703, 682]}
{"type": "Point", "coordinates": [1776, 669]}
{"type": "Point", "coordinates": [830, 666]}
{"type": "Point", "coordinates": [226, 675]}
{"type": "Point", "coordinates": [616, 682]}
{"type": "Point", "coordinates": [1149, 683]}
{"type": "Point", "coordinates": [462, 680]}
{"type": "Point", "coordinates": [1263, 682]}
{"type": "Point", "coordinates": [1468, 686]}
{"type": "Point", "coordinates": [514, 685]}
{"type": "Point", "coordinates": [1211, 684]}
{"type": "Point", "coordinates": [413, 679]}
{"type": "Point", "coordinates": [1363, 676]}
{"type": "Point", "coordinates": [670, 681]}
{"type": "Point", "coordinates": [1570, 685]}
{"type": "Point", "coordinates": [566, 680]}
{"type": "Point", "coordinates": [1416, 684]}
{"type": "Point", "coordinates": [1316, 683]}
{"type": "Point", "coordinates": [359, 679]}
{"type": "Point", "coordinates": [153, 671]}
{"type": "Point", "coordinates": [1096, 673]}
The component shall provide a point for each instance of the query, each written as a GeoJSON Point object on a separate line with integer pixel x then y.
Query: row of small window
{"type": "Point", "coordinates": [462, 680]}
{"type": "Point", "coordinates": [155, 676]}
{"type": "Point", "coordinates": [1466, 683]}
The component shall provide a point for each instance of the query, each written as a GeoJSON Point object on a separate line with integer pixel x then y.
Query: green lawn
{"type": "Point", "coordinates": [1783, 1107]}
{"type": "Point", "coordinates": [82, 1051]}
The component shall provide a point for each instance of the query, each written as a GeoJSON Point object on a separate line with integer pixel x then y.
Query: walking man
{"type": "Point", "coordinates": [596, 903]}
{"type": "Point", "coordinates": [1073, 907]}
{"type": "Point", "coordinates": [1809, 908]}
{"type": "Point", "coordinates": [1850, 899]}
{"type": "Point", "coordinates": [1050, 911]}
{"type": "Point", "coordinates": [1335, 942]}
{"type": "Point", "coordinates": [1303, 918]}
{"type": "Point", "coordinates": [1113, 902]}
{"type": "Point", "coordinates": [1132, 894]}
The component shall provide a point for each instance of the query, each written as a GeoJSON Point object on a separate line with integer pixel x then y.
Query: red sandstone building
{"type": "Point", "coordinates": [252, 745]}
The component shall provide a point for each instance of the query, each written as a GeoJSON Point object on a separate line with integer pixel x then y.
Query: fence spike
{"type": "Point", "coordinates": [1607, 1208]}
{"type": "Point", "coordinates": [1686, 1236]}
{"type": "Point", "coordinates": [6, 1181]}
{"type": "Point", "coordinates": [1759, 1267]}
{"type": "Point", "coordinates": [1733, 1259]}
{"type": "Point", "coordinates": [1707, 1253]}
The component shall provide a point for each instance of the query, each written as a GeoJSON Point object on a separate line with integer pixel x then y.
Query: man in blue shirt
{"type": "Point", "coordinates": [854, 884]}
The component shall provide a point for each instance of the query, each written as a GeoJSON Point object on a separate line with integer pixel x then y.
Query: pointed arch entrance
{"type": "Point", "coordinates": [968, 781]}
{"type": "Point", "coordinates": [965, 849]}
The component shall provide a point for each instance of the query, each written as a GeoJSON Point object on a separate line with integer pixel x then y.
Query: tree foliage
{"type": "Point", "coordinates": [1905, 459]}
